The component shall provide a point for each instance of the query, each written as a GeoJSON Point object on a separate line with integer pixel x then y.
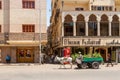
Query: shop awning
{"type": "Point", "coordinates": [26, 42]}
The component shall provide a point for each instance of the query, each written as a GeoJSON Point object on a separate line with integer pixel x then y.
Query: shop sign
{"type": "Point", "coordinates": [81, 42]}
{"type": "Point", "coordinates": [113, 42]}
{"type": "Point", "coordinates": [71, 42]}
{"type": "Point", "coordinates": [91, 42]}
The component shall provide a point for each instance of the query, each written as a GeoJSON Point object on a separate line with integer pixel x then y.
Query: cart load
{"type": "Point", "coordinates": [93, 59]}
{"type": "Point", "coordinates": [88, 61]}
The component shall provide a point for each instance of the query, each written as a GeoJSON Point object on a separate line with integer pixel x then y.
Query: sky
{"type": "Point", "coordinates": [48, 12]}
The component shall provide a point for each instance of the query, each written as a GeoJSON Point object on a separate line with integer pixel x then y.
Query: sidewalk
{"type": "Point", "coordinates": [116, 66]}
{"type": "Point", "coordinates": [28, 64]}
{"type": "Point", "coordinates": [56, 66]}
{"type": "Point", "coordinates": [19, 64]}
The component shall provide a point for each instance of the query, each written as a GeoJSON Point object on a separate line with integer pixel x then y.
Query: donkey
{"type": "Point", "coordinates": [64, 60]}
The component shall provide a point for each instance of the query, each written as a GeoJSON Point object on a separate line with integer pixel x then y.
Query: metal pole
{"type": "Point", "coordinates": [39, 32]}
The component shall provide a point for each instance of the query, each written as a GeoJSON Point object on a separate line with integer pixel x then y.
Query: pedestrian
{"type": "Point", "coordinates": [67, 52]}
{"type": "Point", "coordinates": [109, 60]}
{"type": "Point", "coordinates": [52, 58]}
{"type": "Point", "coordinates": [80, 57]}
{"type": "Point", "coordinates": [42, 58]}
{"type": "Point", "coordinates": [8, 58]}
{"type": "Point", "coordinates": [62, 52]}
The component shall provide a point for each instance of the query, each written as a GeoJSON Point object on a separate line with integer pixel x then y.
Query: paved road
{"type": "Point", "coordinates": [52, 72]}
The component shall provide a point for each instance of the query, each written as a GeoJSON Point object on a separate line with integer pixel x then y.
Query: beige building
{"type": "Point", "coordinates": [86, 26]}
{"type": "Point", "coordinates": [21, 22]}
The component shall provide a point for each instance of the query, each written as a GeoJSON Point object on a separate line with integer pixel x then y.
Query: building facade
{"type": "Point", "coordinates": [22, 29]}
{"type": "Point", "coordinates": [86, 26]}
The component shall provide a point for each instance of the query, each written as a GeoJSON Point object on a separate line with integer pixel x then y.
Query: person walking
{"type": "Point", "coordinates": [109, 60]}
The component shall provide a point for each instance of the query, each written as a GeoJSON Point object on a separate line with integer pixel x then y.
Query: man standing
{"type": "Point", "coordinates": [109, 60]}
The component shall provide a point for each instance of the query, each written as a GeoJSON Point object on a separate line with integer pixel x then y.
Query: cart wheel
{"type": "Point", "coordinates": [84, 65]}
{"type": "Point", "coordinates": [79, 65]}
{"type": "Point", "coordinates": [95, 65]}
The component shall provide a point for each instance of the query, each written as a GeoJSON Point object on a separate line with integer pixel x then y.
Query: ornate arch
{"type": "Point", "coordinates": [68, 25]}
{"type": "Point", "coordinates": [115, 26]}
{"type": "Point", "coordinates": [104, 17]}
{"type": "Point", "coordinates": [80, 25]}
{"type": "Point", "coordinates": [80, 17]}
{"type": "Point", "coordinates": [104, 25]}
{"type": "Point", "coordinates": [115, 18]}
{"type": "Point", "coordinates": [68, 18]}
{"type": "Point", "coordinates": [92, 17]}
{"type": "Point", "coordinates": [92, 25]}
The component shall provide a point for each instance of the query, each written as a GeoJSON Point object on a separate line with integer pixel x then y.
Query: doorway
{"type": "Point", "coordinates": [25, 55]}
{"type": "Point", "coordinates": [102, 52]}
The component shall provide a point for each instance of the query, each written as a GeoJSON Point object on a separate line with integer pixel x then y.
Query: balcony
{"type": "Point", "coordinates": [88, 13]}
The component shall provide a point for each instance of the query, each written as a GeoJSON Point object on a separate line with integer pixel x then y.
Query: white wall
{"type": "Point", "coordinates": [103, 2]}
{"type": "Point", "coordinates": [43, 7]}
{"type": "Point", "coordinates": [19, 16]}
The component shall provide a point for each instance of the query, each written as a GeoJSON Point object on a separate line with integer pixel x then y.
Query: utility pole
{"type": "Point", "coordinates": [39, 31]}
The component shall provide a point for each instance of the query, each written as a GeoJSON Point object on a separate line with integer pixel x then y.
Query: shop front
{"type": "Point", "coordinates": [25, 55]}
{"type": "Point", "coordinates": [90, 45]}
{"type": "Point", "coordinates": [20, 51]}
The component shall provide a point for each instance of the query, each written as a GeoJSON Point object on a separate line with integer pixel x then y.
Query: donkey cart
{"type": "Point", "coordinates": [89, 62]}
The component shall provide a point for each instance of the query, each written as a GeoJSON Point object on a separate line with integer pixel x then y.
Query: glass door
{"type": "Point", "coordinates": [25, 55]}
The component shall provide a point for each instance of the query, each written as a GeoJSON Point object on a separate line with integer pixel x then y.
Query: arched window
{"type": "Point", "coordinates": [80, 26]}
{"type": "Point", "coordinates": [68, 26]}
{"type": "Point", "coordinates": [115, 26]}
{"type": "Point", "coordinates": [104, 27]}
{"type": "Point", "coordinates": [92, 26]}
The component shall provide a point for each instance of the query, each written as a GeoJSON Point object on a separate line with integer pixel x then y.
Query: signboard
{"type": "Point", "coordinates": [91, 42]}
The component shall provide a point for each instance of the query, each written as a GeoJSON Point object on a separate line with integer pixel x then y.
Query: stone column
{"type": "Point", "coordinates": [98, 26]}
{"type": "Point", "coordinates": [110, 20]}
{"type": "Point", "coordinates": [86, 26]}
{"type": "Point", "coordinates": [74, 26]}
{"type": "Point", "coordinates": [109, 28]}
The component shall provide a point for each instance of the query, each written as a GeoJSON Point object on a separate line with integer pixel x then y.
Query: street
{"type": "Point", "coordinates": [52, 72]}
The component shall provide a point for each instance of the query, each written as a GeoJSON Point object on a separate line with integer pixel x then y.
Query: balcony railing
{"type": "Point", "coordinates": [75, 13]}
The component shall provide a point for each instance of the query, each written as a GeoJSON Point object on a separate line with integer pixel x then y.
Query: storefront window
{"type": "Point", "coordinates": [21, 53]}
{"type": "Point", "coordinates": [28, 53]}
